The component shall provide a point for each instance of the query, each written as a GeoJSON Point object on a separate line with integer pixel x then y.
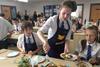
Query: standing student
{"type": "Point", "coordinates": [28, 42]}
{"type": "Point", "coordinates": [89, 49]}
{"type": "Point", "coordinates": [6, 30]}
{"type": "Point", "coordinates": [58, 28]}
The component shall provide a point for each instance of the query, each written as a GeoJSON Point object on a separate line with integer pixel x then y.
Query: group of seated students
{"type": "Point", "coordinates": [88, 49]}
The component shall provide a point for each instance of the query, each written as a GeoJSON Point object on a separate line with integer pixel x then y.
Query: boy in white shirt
{"type": "Point", "coordinates": [89, 49]}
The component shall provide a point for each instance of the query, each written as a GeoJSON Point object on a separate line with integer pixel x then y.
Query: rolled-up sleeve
{"type": "Point", "coordinates": [38, 41]}
{"type": "Point", "coordinates": [20, 42]}
{"type": "Point", "coordinates": [46, 26]}
{"type": "Point", "coordinates": [98, 53]}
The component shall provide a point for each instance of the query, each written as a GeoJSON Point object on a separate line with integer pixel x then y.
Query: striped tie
{"type": "Point", "coordinates": [89, 52]}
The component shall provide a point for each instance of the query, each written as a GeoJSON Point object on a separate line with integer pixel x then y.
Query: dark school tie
{"type": "Point", "coordinates": [29, 40]}
{"type": "Point", "coordinates": [62, 25]}
{"type": "Point", "coordinates": [89, 52]}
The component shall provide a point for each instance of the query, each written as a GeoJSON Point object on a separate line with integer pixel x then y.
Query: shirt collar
{"type": "Point", "coordinates": [92, 44]}
{"type": "Point", "coordinates": [28, 36]}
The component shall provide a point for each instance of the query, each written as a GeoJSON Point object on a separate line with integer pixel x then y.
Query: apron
{"type": "Point", "coordinates": [57, 42]}
{"type": "Point", "coordinates": [30, 47]}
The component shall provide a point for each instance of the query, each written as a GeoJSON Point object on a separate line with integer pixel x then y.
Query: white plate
{"type": "Point", "coordinates": [13, 54]}
{"type": "Point", "coordinates": [66, 56]}
{"type": "Point", "coordinates": [74, 57]}
{"type": "Point", "coordinates": [37, 59]}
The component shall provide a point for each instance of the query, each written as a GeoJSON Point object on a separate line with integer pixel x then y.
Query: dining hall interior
{"type": "Point", "coordinates": [32, 35]}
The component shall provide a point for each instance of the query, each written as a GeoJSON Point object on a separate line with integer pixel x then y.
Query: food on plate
{"type": "Point", "coordinates": [37, 59]}
{"type": "Point", "coordinates": [69, 56]}
{"type": "Point", "coordinates": [51, 65]}
{"type": "Point", "coordinates": [82, 64]}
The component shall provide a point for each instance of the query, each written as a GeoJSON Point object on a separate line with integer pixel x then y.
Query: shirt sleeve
{"type": "Point", "coordinates": [38, 41]}
{"type": "Point", "coordinates": [9, 26]}
{"type": "Point", "coordinates": [46, 26]}
{"type": "Point", "coordinates": [20, 42]}
{"type": "Point", "coordinates": [98, 53]}
{"type": "Point", "coordinates": [78, 47]}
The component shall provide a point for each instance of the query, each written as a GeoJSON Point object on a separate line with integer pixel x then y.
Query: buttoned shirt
{"type": "Point", "coordinates": [95, 50]}
{"type": "Point", "coordinates": [50, 27]}
{"type": "Point", "coordinates": [20, 42]}
{"type": "Point", "coordinates": [5, 28]}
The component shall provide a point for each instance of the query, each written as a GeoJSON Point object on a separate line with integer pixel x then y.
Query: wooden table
{"type": "Point", "coordinates": [35, 29]}
{"type": "Point", "coordinates": [10, 62]}
{"type": "Point", "coordinates": [15, 36]}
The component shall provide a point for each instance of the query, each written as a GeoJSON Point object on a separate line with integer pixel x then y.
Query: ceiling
{"type": "Point", "coordinates": [29, 0]}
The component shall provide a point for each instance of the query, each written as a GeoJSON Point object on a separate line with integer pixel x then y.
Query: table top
{"type": "Point", "coordinates": [10, 62]}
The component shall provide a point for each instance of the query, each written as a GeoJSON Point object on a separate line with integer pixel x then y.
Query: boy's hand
{"type": "Point", "coordinates": [46, 47]}
{"type": "Point", "coordinates": [30, 53]}
{"type": "Point", "coordinates": [92, 61]}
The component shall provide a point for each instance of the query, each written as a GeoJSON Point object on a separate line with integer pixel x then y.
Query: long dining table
{"type": "Point", "coordinates": [11, 62]}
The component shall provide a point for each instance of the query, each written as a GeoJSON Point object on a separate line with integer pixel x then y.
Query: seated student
{"type": "Point", "coordinates": [89, 49]}
{"type": "Point", "coordinates": [28, 42]}
{"type": "Point", "coordinates": [16, 25]}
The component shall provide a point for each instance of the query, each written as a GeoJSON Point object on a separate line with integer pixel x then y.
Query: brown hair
{"type": "Point", "coordinates": [95, 30]}
{"type": "Point", "coordinates": [70, 4]}
{"type": "Point", "coordinates": [26, 25]}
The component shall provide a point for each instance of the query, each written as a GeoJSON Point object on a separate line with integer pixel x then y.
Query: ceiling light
{"type": "Point", "coordinates": [22, 0]}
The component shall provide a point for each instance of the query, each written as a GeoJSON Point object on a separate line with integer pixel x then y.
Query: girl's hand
{"type": "Point", "coordinates": [23, 52]}
{"type": "Point", "coordinates": [30, 53]}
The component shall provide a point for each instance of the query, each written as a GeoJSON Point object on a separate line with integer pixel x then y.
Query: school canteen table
{"type": "Point", "coordinates": [11, 62]}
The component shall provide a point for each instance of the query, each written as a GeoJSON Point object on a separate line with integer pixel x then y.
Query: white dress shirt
{"type": "Point", "coordinates": [50, 27]}
{"type": "Point", "coordinates": [20, 42]}
{"type": "Point", "coordinates": [95, 50]}
{"type": "Point", "coordinates": [5, 28]}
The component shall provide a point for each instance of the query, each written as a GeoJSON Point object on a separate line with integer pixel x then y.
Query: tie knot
{"type": "Point", "coordinates": [28, 37]}
{"type": "Point", "coordinates": [89, 46]}
{"type": "Point", "coordinates": [29, 40]}
{"type": "Point", "coordinates": [62, 25]}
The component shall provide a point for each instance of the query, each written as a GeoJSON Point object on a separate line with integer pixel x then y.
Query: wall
{"type": "Point", "coordinates": [19, 6]}
{"type": "Point", "coordinates": [38, 6]}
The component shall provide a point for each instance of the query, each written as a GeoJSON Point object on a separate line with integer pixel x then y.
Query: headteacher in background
{"type": "Point", "coordinates": [58, 28]}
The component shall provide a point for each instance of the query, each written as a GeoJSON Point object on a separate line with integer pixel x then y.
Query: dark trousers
{"type": "Point", "coordinates": [3, 44]}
